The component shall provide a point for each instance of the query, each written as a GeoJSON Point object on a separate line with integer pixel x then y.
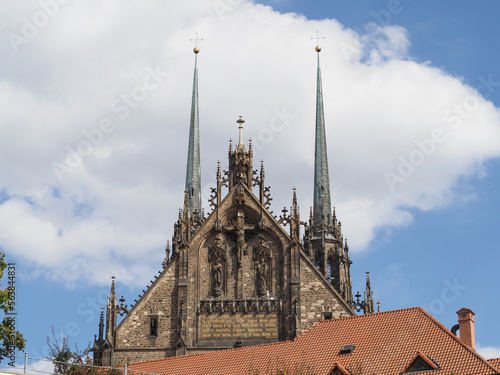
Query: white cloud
{"type": "Point", "coordinates": [400, 133]}
{"type": "Point", "coordinates": [34, 366]}
{"type": "Point", "coordinates": [488, 352]}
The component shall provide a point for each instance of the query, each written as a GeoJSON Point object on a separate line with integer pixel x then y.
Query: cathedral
{"type": "Point", "coordinates": [238, 276]}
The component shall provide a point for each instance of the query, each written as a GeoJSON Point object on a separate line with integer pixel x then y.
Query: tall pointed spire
{"type": "Point", "coordinates": [193, 171]}
{"type": "Point", "coordinates": [322, 200]}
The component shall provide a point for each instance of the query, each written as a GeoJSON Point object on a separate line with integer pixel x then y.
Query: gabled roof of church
{"type": "Point", "coordinates": [379, 343]}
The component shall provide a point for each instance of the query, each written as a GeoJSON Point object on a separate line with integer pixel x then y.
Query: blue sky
{"type": "Point", "coordinates": [393, 73]}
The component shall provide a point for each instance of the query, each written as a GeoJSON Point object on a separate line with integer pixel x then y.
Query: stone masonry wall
{"type": "Point", "coordinates": [316, 297]}
{"type": "Point", "coordinates": [122, 357]}
{"type": "Point", "coordinates": [161, 301]}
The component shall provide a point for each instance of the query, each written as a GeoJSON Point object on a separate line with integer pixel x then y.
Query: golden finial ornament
{"type": "Point", "coordinates": [318, 48]}
{"type": "Point", "coordinates": [196, 50]}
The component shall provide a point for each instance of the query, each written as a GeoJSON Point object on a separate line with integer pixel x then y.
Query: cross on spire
{"type": "Point", "coordinates": [196, 49]}
{"type": "Point", "coordinates": [318, 48]}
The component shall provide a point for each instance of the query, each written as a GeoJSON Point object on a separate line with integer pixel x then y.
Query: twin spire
{"type": "Point", "coordinates": [193, 171]}
{"type": "Point", "coordinates": [322, 199]}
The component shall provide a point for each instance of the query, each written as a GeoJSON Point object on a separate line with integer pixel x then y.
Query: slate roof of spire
{"type": "Point", "coordinates": [322, 201]}
{"type": "Point", "coordinates": [384, 343]}
{"type": "Point", "coordinates": [193, 169]}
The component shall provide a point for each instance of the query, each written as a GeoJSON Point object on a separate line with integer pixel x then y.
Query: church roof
{"type": "Point", "coordinates": [404, 341]}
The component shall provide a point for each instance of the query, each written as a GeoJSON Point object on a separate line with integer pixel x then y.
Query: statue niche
{"type": "Point", "coordinates": [263, 268]}
{"type": "Point", "coordinates": [217, 259]}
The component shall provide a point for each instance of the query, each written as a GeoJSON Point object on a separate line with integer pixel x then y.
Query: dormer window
{"type": "Point", "coordinates": [420, 363]}
{"type": "Point", "coordinates": [338, 369]}
{"type": "Point", "coordinates": [347, 349]}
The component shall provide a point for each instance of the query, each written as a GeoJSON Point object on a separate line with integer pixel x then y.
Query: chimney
{"type": "Point", "coordinates": [466, 326]}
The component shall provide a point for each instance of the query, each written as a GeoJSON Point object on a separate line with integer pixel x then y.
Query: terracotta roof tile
{"type": "Point", "coordinates": [495, 362]}
{"type": "Point", "coordinates": [385, 343]}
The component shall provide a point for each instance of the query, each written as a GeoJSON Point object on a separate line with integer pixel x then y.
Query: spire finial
{"type": "Point", "coordinates": [240, 121]}
{"type": "Point", "coordinates": [318, 48]}
{"type": "Point", "coordinates": [196, 50]}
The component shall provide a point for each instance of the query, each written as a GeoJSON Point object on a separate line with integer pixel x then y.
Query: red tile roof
{"type": "Point", "coordinates": [385, 343]}
{"type": "Point", "coordinates": [495, 362]}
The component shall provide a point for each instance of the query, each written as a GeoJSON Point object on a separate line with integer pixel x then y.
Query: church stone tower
{"type": "Point", "coordinates": [238, 276]}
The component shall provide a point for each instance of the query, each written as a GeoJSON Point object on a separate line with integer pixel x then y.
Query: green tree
{"type": "Point", "coordinates": [73, 362]}
{"type": "Point", "coordinates": [11, 339]}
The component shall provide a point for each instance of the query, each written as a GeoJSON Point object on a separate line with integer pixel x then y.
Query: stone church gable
{"type": "Point", "coordinates": [239, 276]}
{"type": "Point", "coordinates": [160, 302]}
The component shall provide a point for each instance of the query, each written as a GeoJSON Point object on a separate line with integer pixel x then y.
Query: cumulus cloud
{"type": "Point", "coordinates": [95, 114]}
{"type": "Point", "coordinates": [488, 352]}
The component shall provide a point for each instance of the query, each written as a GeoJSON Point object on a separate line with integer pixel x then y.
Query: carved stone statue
{"type": "Point", "coordinates": [217, 277]}
{"type": "Point", "coordinates": [262, 271]}
{"type": "Point", "coordinates": [217, 260]}
{"type": "Point", "coordinates": [240, 243]}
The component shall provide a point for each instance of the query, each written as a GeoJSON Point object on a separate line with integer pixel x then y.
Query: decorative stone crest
{"type": "Point", "coordinates": [239, 196]}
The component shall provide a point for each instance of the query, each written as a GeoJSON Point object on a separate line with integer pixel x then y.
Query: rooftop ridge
{"type": "Point", "coordinates": [456, 338]}
{"type": "Point", "coordinates": [363, 316]}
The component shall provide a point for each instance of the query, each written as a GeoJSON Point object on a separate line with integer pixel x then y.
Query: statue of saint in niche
{"type": "Point", "coordinates": [262, 271]}
{"type": "Point", "coordinates": [217, 261]}
{"type": "Point", "coordinates": [217, 277]}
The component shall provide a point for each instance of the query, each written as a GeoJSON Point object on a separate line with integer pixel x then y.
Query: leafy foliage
{"type": "Point", "coordinates": [11, 340]}
{"type": "Point", "coordinates": [74, 362]}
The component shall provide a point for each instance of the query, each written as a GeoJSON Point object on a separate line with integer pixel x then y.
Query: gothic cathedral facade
{"type": "Point", "coordinates": [238, 276]}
